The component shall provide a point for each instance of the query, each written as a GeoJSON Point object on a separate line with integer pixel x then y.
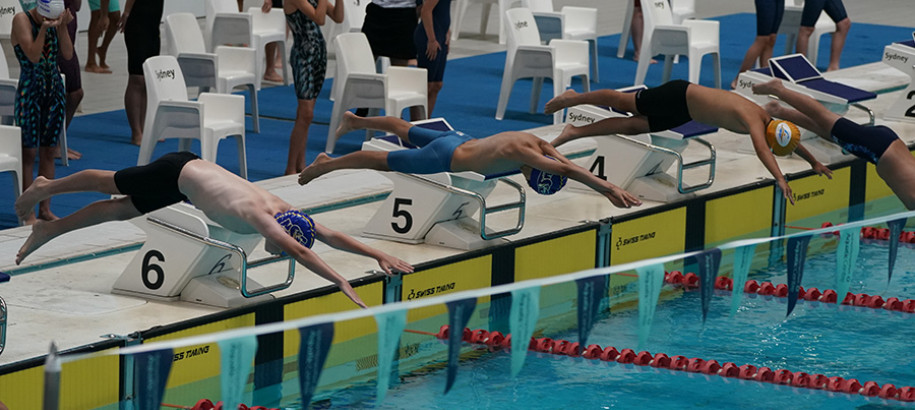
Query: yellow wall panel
{"type": "Point", "coordinates": [816, 195]}
{"type": "Point", "coordinates": [371, 294]}
{"type": "Point", "coordinates": [194, 363]}
{"type": "Point", "coordinates": [648, 237]}
{"type": "Point", "coordinates": [571, 253]}
{"type": "Point", "coordinates": [469, 274]}
{"type": "Point", "coordinates": [90, 383]}
{"type": "Point", "coordinates": [741, 215]}
{"type": "Point", "coordinates": [23, 389]}
{"type": "Point", "coordinates": [875, 188]}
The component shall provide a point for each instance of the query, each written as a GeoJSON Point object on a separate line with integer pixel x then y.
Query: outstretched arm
{"type": "Point", "coordinates": [562, 166]}
{"type": "Point", "coordinates": [267, 226]}
{"type": "Point", "coordinates": [819, 168]}
{"type": "Point", "coordinates": [758, 138]}
{"type": "Point", "coordinates": [342, 241]}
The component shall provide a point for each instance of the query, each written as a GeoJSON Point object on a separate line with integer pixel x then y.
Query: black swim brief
{"type": "Point", "coordinates": [863, 141]}
{"type": "Point", "coordinates": [154, 185]}
{"type": "Point", "coordinates": [664, 105]}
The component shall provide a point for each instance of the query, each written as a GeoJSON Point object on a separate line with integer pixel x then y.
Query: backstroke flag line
{"type": "Point", "coordinates": [151, 371]}
{"type": "Point", "coordinates": [459, 312]}
{"type": "Point", "coordinates": [846, 255]}
{"type": "Point", "coordinates": [797, 255]}
{"type": "Point", "coordinates": [651, 278]}
{"type": "Point", "coordinates": [590, 292]}
{"type": "Point", "coordinates": [314, 344]}
{"type": "Point", "coordinates": [743, 258]}
{"type": "Point", "coordinates": [708, 261]}
{"type": "Point", "coordinates": [236, 358]}
{"type": "Point", "coordinates": [390, 327]}
{"type": "Point", "coordinates": [895, 229]}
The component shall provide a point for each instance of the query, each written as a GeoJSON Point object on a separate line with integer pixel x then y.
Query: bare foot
{"type": "Point", "coordinates": [771, 87]}
{"type": "Point", "coordinates": [559, 102]}
{"type": "Point", "coordinates": [636, 58]}
{"type": "Point", "coordinates": [734, 84]}
{"type": "Point", "coordinates": [565, 136]}
{"type": "Point", "coordinates": [92, 68]}
{"type": "Point", "coordinates": [40, 235]}
{"type": "Point", "coordinates": [71, 154]}
{"type": "Point", "coordinates": [313, 171]}
{"type": "Point", "coordinates": [346, 124]}
{"type": "Point", "coordinates": [46, 215]}
{"type": "Point", "coordinates": [136, 140]}
{"type": "Point", "coordinates": [273, 76]}
{"type": "Point", "coordinates": [25, 204]}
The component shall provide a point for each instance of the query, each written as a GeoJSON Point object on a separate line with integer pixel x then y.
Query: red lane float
{"type": "Point", "coordinates": [681, 363]}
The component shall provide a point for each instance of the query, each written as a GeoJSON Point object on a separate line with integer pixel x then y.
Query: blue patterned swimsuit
{"type": "Point", "coordinates": [308, 55]}
{"type": "Point", "coordinates": [40, 97]}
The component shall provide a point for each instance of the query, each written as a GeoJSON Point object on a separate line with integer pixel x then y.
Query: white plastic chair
{"type": "Point", "coordinates": [362, 87]}
{"type": "Point", "coordinates": [353, 17]}
{"type": "Point", "coordinates": [693, 38]}
{"type": "Point", "coordinates": [460, 11]}
{"type": "Point", "coordinates": [527, 58]}
{"type": "Point", "coordinates": [682, 10]}
{"type": "Point", "coordinates": [569, 23]}
{"type": "Point", "coordinates": [225, 25]}
{"type": "Point", "coordinates": [268, 28]}
{"type": "Point", "coordinates": [169, 114]}
{"type": "Point", "coordinates": [222, 71]}
{"type": "Point", "coordinates": [791, 25]}
{"type": "Point", "coordinates": [6, 18]}
{"type": "Point", "coordinates": [11, 155]}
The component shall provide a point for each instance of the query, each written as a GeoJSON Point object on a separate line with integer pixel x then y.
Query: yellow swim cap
{"type": "Point", "coordinates": [782, 137]}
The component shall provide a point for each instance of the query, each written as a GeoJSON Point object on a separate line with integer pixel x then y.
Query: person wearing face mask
{"type": "Point", "coordinates": [40, 107]}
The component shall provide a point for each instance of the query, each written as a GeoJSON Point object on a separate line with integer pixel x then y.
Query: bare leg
{"type": "Point", "coordinates": [636, 29]}
{"type": "Point", "coordinates": [298, 139]}
{"type": "Point", "coordinates": [270, 54]}
{"type": "Point", "coordinates": [28, 171]}
{"type": "Point", "coordinates": [113, 18]}
{"type": "Point", "coordinates": [767, 51]}
{"type": "Point", "coordinates": [433, 88]}
{"type": "Point", "coordinates": [394, 125]}
{"type": "Point", "coordinates": [73, 100]}
{"type": "Point", "coordinates": [377, 160]}
{"type": "Point", "coordinates": [821, 119]}
{"type": "Point", "coordinates": [754, 53]}
{"type": "Point", "coordinates": [93, 214]}
{"type": "Point", "coordinates": [897, 168]}
{"type": "Point", "coordinates": [803, 39]}
{"type": "Point", "coordinates": [838, 42]}
{"type": "Point", "coordinates": [82, 181]}
{"type": "Point", "coordinates": [46, 169]}
{"type": "Point", "coordinates": [135, 106]}
{"type": "Point", "coordinates": [612, 98]}
{"type": "Point", "coordinates": [607, 126]}
{"type": "Point", "coordinates": [91, 66]}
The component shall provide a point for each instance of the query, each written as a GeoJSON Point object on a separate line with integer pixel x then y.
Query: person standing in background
{"type": "Point", "coordinates": [389, 27]}
{"type": "Point", "coordinates": [71, 71]}
{"type": "Point", "coordinates": [140, 25]}
{"type": "Point", "coordinates": [309, 65]}
{"type": "Point", "coordinates": [40, 97]}
{"type": "Point", "coordinates": [431, 39]}
{"type": "Point", "coordinates": [768, 17]}
{"type": "Point", "coordinates": [836, 11]}
{"type": "Point", "coordinates": [104, 19]}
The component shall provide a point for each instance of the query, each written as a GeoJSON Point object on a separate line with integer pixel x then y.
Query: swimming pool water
{"type": "Point", "coordinates": [834, 340]}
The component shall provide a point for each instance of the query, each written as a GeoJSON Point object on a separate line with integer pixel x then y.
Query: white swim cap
{"type": "Point", "coordinates": [51, 9]}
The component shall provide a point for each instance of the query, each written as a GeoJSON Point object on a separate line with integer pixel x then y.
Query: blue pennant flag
{"type": "Point", "coordinates": [895, 229]}
{"type": "Point", "coordinates": [590, 292]}
{"type": "Point", "coordinates": [236, 358]}
{"type": "Point", "coordinates": [151, 373]}
{"type": "Point", "coordinates": [459, 312]}
{"type": "Point", "coordinates": [651, 279]}
{"type": "Point", "coordinates": [708, 261]}
{"type": "Point", "coordinates": [390, 327]}
{"type": "Point", "coordinates": [314, 344]}
{"type": "Point", "coordinates": [846, 255]}
{"type": "Point", "coordinates": [743, 258]}
{"type": "Point", "coordinates": [522, 320]}
{"type": "Point", "coordinates": [797, 255]}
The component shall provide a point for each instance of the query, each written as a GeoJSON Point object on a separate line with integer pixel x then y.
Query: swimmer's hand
{"type": "Point", "coordinates": [621, 198]}
{"type": "Point", "coordinates": [786, 190]}
{"type": "Point", "coordinates": [821, 170]}
{"type": "Point", "coordinates": [391, 265]}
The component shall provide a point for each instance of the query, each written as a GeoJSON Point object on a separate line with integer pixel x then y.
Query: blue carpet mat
{"type": "Point", "coordinates": [104, 138]}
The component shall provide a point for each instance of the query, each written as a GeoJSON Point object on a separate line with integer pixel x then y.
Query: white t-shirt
{"type": "Point", "coordinates": [395, 4]}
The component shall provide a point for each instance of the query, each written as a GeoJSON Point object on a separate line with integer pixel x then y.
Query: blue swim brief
{"type": "Point", "coordinates": [863, 141]}
{"type": "Point", "coordinates": [435, 153]}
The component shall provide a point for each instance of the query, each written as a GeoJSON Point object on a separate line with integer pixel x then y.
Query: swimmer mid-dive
{"type": "Point", "coordinates": [236, 204]}
{"type": "Point", "coordinates": [453, 151]}
{"type": "Point", "coordinates": [878, 145]}
{"type": "Point", "coordinates": [676, 103]}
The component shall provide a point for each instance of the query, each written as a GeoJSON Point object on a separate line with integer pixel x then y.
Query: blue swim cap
{"type": "Point", "coordinates": [546, 183]}
{"type": "Point", "coordinates": [298, 225]}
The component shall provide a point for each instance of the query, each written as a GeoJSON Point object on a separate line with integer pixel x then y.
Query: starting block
{"type": "Point", "coordinates": [902, 57]}
{"type": "Point", "coordinates": [438, 209]}
{"type": "Point", "coordinates": [640, 162]}
{"type": "Point", "coordinates": [798, 74]}
{"type": "Point", "coordinates": [187, 256]}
